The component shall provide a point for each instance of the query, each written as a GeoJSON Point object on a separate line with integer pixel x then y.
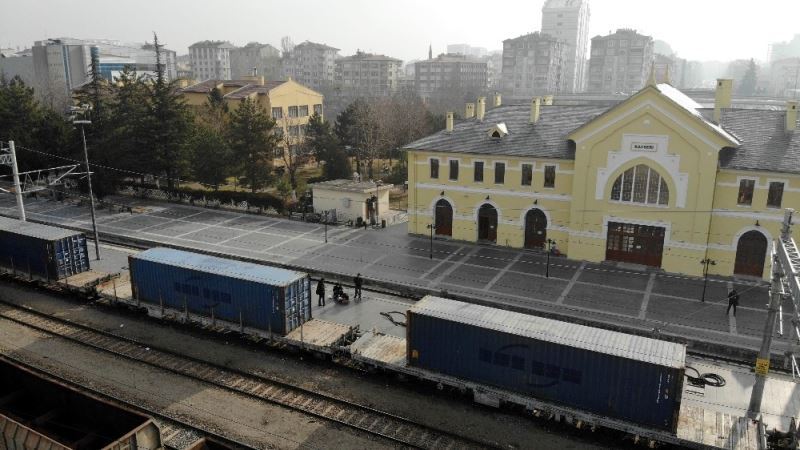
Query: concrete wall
{"type": "Point", "coordinates": [349, 205]}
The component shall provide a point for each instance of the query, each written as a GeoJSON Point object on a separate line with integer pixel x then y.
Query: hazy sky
{"type": "Point", "coordinates": [696, 29]}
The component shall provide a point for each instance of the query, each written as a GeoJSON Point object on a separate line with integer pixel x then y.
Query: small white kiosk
{"type": "Point", "coordinates": [352, 199]}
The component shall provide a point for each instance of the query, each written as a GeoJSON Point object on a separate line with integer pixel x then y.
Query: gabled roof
{"type": "Point", "coordinates": [681, 100]}
{"type": "Point", "coordinates": [254, 89]}
{"type": "Point", "coordinates": [207, 86]}
{"type": "Point", "coordinates": [765, 144]}
{"type": "Point", "coordinates": [316, 45]}
{"type": "Point", "coordinates": [545, 139]}
{"type": "Point", "coordinates": [216, 44]}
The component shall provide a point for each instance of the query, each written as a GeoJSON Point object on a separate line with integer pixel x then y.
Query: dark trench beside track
{"type": "Point", "coordinates": [365, 419]}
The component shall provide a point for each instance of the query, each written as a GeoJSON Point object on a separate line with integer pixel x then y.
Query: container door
{"type": "Point", "coordinates": [297, 307]}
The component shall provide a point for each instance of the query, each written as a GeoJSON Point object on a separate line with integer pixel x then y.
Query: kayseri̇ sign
{"type": "Point", "coordinates": [644, 147]}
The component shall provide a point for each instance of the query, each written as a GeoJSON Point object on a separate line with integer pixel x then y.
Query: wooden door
{"type": "Point", "coordinates": [535, 229]}
{"type": "Point", "coordinates": [638, 244]}
{"type": "Point", "coordinates": [751, 251]}
{"type": "Point", "coordinates": [444, 218]}
{"type": "Point", "coordinates": [487, 223]}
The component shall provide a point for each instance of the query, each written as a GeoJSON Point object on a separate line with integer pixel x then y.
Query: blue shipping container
{"type": "Point", "coordinates": [612, 374]}
{"type": "Point", "coordinates": [257, 296]}
{"type": "Point", "coordinates": [42, 251]}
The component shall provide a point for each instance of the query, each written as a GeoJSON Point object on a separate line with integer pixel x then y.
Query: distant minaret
{"type": "Point", "coordinates": [430, 51]}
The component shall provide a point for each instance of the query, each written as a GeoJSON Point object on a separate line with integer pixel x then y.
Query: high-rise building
{"type": "Point", "coordinates": [311, 64]}
{"type": "Point", "coordinates": [264, 59]}
{"type": "Point", "coordinates": [467, 50]}
{"type": "Point", "coordinates": [669, 69]}
{"type": "Point", "coordinates": [620, 62]}
{"type": "Point", "coordinates": [568, 20]}
{"type": "Point", "coordinates": [785, 78]}
{"type": "Point", "coordinates": [62, 64]}
{"type": "Point", "coordinates": [783, 50]}
{"type": "Point", "coordinates": [368, 74]}
{"type": "Point", "coordinates": [532, 65]}
{"type": "Point", "coordinates": [452, 73]}
{"type": "Point", "coordinates": [211, 60]}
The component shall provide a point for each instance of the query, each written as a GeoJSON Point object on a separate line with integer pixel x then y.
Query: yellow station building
{"type": "Point", "coordinates": [656, 180]}
{"type": "Point", "coordinates": [290, 103]}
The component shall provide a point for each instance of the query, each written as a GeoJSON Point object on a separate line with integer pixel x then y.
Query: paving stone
{"type": "Point", "coordinates": [523, 285]}
{"type": "Point", "coordinates": [606, 299]}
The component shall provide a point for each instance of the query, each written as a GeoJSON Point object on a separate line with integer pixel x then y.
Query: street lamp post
{"type": "Point", "coordinates": [706, 262]}
{"type": "Point", "coordinates": [326, 227]}
{"type": "Point", "coordinates": [431, 227]}
{"type": "Point", "coordinates": [550, 243]}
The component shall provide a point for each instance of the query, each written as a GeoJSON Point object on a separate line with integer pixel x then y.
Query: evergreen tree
{"type": "Point", "coordinates": [750, 79]}
{"type": "Point", "coordinates": [325, 147]}
{"type": "Point", "coordinates": [215, 111]}
{"type": "Point", "coordinates": [252, 141]}
{"type": "Point", "coordinates": [18, 110]}
{"type": "Point", "coordinates": [170, 124]}
{"type": "Point", "coordinates": [210, 157]}
{"type": "Point", "coordinates": [130, 122]}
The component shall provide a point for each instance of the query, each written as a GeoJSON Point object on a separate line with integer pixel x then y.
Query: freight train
{"type": "Point", "coordinates": [585, 374]}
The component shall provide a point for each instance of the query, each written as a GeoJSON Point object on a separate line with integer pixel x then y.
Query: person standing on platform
{"type": "Point", "coordinates": [321, 292]}
{"type": "Point", "coordinates": [733, 301]}
{"type": "Point", "coordinates": [357, 281]}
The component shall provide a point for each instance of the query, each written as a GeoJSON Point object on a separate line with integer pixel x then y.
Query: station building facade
{"type": "Point", "coordinates": [656, 180]}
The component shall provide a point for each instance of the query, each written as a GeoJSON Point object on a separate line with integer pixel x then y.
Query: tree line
{"type": "Point", "coordinates": [141, 126]}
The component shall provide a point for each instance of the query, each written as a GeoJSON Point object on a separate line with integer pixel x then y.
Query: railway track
{"type": "Point", "coordinates": [365, 419]}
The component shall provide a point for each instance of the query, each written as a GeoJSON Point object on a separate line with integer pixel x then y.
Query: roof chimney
{"type": "Point", "coordinates": [498, 100]}
{"type": "Point", "coordinates": [536, 104]}
{"type": "Point", "coordinates": [449, 121]}
{"type": "Point", "coordinates": [547, 100]}
{"type": "Point", "coordinates": [481, 108]}
{"type": "Point", "coordinates": [470, 112]}
{"type": "Point", "coordinates": [723, 97]}
{"type": "Point", "coordinates": [791, 116]}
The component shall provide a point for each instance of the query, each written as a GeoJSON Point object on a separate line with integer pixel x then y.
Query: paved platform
{"type": "Point", "coordinates": [651, 302]}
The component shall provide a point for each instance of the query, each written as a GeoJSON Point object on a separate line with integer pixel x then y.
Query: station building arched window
{"type": "Point", "coordinates": [640, 184]}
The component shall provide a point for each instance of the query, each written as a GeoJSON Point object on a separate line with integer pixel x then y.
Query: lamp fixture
{"type": "Point", "coordinates": [536, 201]}
{"type": "Point", "coordinates": [442, 194]}
{"type": "Point", "coordinates": [757, 224]}
{"type": "Point", "coordinates": [487, 197]}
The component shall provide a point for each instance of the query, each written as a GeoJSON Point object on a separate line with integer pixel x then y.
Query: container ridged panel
{"type": "Point", "coordinates": [42, 251]}
{"type": "Point", "coordinates": [601, 383]}
{"type": "Point", "coordinates": [260, 305]}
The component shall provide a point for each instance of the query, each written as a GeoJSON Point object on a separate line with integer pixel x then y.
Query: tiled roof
{"type": "Point", "coordinates": [217, 44]}
{"type": "Point", "coordinates": [206, 86]}
{"type": "Point", "coordinates": [254, 88]}
{"type": "Point", "coordinates": [317, 45]}
{"type": "Point", "coordinates": [368, 57]}
{"type": "Point", "coordinates": [545, 139]}
{"type": "Point", "coordinates": [765, 144]}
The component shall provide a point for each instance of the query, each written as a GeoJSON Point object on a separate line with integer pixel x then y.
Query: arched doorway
{"type": "Point", "coordinates": [751, 251]}
{"type": "Point", "coordinates": [535, 229]}
{"type": "Point", "coordinates": [443, 218]}
{"type": "Point", "coordinates": [487, 223]}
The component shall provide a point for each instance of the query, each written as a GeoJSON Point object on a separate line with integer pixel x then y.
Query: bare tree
{"type": "Point", "coordinates": [294, 151]}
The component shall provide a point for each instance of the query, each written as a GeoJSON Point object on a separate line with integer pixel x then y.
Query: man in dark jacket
{"type": "Point", "coordinates": [733, 301]}
{"type": "Point", "coordinates": [321, 292]}
{"type": "Point", "coordinates": [357, 281]}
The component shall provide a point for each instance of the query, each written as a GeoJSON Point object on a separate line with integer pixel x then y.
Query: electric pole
{"type": "Point", "coordinates": [776, 296]}
{"type": "Point", "coordinates": [83, 122]}
{"type": "Point", "coordinates": [17, 187]}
